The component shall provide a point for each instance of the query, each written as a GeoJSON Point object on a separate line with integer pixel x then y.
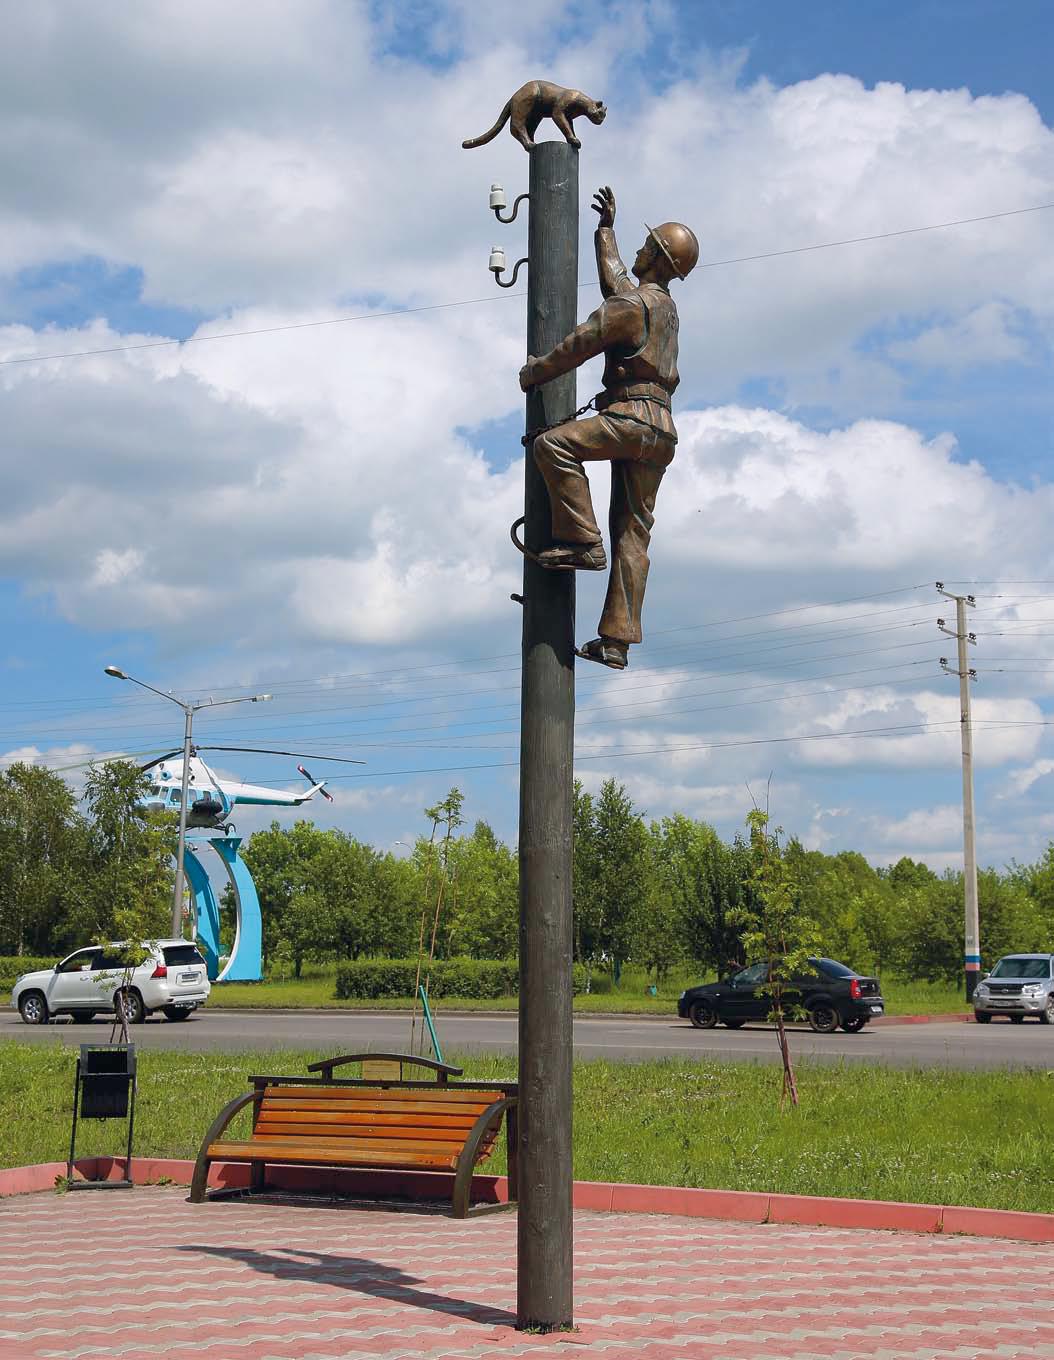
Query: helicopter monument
{"type": "Point", "coordinates": [210, 803]}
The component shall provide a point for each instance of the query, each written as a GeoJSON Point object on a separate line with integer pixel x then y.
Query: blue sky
{"type": "Point", "coordinates": [323, 512]}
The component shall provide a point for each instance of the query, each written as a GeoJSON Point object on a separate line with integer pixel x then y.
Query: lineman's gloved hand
{"type": "Point", "coordinates": [527, 374]}
{"type": "Point", "coordinates": [604, 204]}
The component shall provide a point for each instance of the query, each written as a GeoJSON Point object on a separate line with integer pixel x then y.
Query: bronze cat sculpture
{"type": "Point", "coordinates": [540, 99]}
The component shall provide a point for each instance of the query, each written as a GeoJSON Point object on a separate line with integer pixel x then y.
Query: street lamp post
{"type": "Point", "coordinates": [189, 710]}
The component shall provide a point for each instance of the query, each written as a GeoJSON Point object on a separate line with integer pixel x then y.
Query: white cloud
{"type": "Point", "coordinates": [985, 334]}
{"type": "Point", "coordinates": [53, 756]}
{"type": "Point", "coordinates": [758, 487]}
{"type": "Point", "coordinates": [319, 500]}
{"type": "Point", "coordinates": [113, 567]}
{"type": "Point", "coordinates": [1020, 782]}
{"type": "Point", "coordinates": [296, 167]}
{"type": "Point", "coordinates": [937, 828]}
{"type": "Point", "coordinates": [1004, 730]}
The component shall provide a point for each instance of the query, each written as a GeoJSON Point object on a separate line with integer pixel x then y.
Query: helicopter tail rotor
{"type": "Point", "coordinates": [311, 780]}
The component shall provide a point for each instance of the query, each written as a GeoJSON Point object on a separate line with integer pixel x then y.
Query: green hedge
{"type": "Point", "coordinates": [13, 966]}
{"type": "Point", "coordinates": [479, 979]}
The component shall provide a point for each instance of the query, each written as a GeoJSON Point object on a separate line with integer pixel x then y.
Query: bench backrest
{"type": "Point", "coordinates": [433, 1118]}
{"type": "Point", "coordinates": [388, 1067]}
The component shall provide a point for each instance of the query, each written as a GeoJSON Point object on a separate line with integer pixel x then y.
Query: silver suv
{"type": "Point", "coordinates": [1019, 985]}
{"type": "Point", "coordinates": [173, 980]}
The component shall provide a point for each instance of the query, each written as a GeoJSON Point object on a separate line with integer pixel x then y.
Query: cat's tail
{"type": "Point", "coordinates": [503, 118]}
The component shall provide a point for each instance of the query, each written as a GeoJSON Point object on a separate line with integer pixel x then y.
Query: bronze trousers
{"type": "Point", "coordinates": [639, 456]}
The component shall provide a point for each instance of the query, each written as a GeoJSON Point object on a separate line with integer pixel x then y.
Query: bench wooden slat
{"type": "Point", "coordinates": [341, 1137]}
{"type": "Point", "coordinates": [352, 1118]}
{"type": "Point", "coordinates": [405, 1143]}
{"type": "Point", "coordinates": [326, 1155]}
{"type": "Point", "coordinates": [393, 1107]}
{"type": "Point", "coordinates": [424, 1095]}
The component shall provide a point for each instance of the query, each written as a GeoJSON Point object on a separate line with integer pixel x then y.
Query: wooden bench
{"type": "Point", "coordinates": [379, 1121]}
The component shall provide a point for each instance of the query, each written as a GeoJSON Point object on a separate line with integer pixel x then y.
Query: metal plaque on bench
{"type": "Point", "coordinates": [381, 1069]}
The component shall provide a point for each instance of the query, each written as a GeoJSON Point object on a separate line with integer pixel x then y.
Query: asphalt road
{"type": "Point", "coordinates": [622, 1038]}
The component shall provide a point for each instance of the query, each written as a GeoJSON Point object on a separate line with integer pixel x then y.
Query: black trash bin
{"type": "Point", "coordinates": [104, 1088]}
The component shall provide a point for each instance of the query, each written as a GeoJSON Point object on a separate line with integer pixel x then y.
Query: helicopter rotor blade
{"type": "Point", "coordinates": [269, 751]}
{"type": "Point", "coordinates": [158, 759]}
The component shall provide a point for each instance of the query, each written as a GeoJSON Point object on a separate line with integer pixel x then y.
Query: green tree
{"type": "Point", "coordinates": [41, 839]}
{"type": "Point", "coordinates": [127, 859]}
{"type": "Point", "coordinates": [586, 907]}
{"type": "Point", "coordinates": [339, 874]}
{"type": "Point", "coordinates": [279, 860]}
{"type": "Point", "coordinates": [929, 944]}
{"type": "Point", "coordinates": [307, 926]}
{"type": "Point", "coordinates": [1038, 881]}
{"type": "Point", "coordinates": [394, 897]}
{"type": "Point", "coordinates": [852, 904]}
{"type": "Point", "coordinates": [1011, 919]}
{"type": "Point", "coordinates": [930, 922]}
{"type": "Point", "coordinates": [701, 882]}
{"type": "Point", "coordinates": [776, 928]}
{"type": "Point", "coordinates": [128, 875]}
{"type": "Point", "coordinates": [435, 868]}
{"type": "Point", "coordinates": [620, 875]}
{"type": "Point", "coordinates": [908, 873]}
{"type": "Point", "coordinates": [484, 906]}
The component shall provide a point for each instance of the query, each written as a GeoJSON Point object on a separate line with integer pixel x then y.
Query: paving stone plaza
{"type": "Point", "coordinates": [144, 1275]}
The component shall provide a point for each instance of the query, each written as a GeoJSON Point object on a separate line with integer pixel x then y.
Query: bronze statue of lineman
{"type": "Point", "coordinates": [635, 328]}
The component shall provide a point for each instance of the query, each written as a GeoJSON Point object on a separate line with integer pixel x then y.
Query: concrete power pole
{"type": "Point", "coordinates": [544, 1288]}
{"type": "Point", "coordinates": [972, 934]}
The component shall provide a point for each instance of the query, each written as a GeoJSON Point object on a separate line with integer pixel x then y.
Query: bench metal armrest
{"type": "Point", "coordinates": [201, 1166]}
{"type": "Point", "coordinates": [327, 1065]}
{"type": "Point", "coordinates": [466, 1161]}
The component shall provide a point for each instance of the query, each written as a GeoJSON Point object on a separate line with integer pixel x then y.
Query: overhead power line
{"type": "Point", "coordinates": [664, 749]}
{"type": "Point", "coordinates": [921, 728]}
{"type": "Point", "coordinates": [880, 236]}
{"type": "Point", "coordinates": [365, 740]}
{"type": "Point", "coordinates": [475, 302]}
{"type": "Point", "coordinates": [126, 725]}
{"type": "Point", "coordinates": [390, 675]}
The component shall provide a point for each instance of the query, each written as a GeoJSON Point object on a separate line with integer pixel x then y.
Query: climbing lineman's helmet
{"type": "Point", "coordinates": [678, 243]}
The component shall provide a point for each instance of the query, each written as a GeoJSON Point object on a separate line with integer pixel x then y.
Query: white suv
{"type": "Point", "coordinates": [173, 980]}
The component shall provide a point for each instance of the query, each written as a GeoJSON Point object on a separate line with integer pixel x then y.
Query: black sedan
{"type": "Point", "coordinates": [829, 995]}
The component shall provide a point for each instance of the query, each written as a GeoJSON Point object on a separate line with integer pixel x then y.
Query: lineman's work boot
{"type": "Point", "coordinates": [574, 557]}
{"type": "Point", "coordinates": [608, 651]}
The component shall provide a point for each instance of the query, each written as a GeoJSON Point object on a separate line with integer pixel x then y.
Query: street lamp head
{"type": "Point", "coordinates": [116, 672]}
{"type": "Point", "coordinates": [262, 698]}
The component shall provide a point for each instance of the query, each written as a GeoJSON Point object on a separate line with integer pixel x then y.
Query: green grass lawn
{"type": "Point", "coordinates": [874, 1133]}
{"type": "Point", "coordinates": [315, 990]}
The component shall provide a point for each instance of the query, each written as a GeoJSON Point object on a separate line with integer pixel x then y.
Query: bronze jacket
{"type": "Point", "coordinates": [635, 328]}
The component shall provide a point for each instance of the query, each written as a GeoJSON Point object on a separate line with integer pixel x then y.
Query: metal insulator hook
{"type": "Point", "coordinates": [497, 266]}
{"type": "Point", "coordinates": [497, 202]}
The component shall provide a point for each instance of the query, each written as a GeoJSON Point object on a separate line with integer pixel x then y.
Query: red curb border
{"type": "Point", "coordinates": [744, 1206]}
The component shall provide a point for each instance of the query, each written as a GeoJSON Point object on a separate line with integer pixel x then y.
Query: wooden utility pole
{"type": "Point", "coordinates": [972, 931]}
{"type": "Point", "coordinates": [544, 1283]}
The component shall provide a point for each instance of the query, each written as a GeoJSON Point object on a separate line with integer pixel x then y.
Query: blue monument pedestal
{"type": "Point", "coordinates": [245, 963]}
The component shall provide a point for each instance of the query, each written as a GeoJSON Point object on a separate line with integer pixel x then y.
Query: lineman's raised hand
{"type": "Point", "coordinates": [604, 204]}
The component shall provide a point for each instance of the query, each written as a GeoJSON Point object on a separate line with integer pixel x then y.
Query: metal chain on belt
{"type": "Point", "coordinates": [532, 435]}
